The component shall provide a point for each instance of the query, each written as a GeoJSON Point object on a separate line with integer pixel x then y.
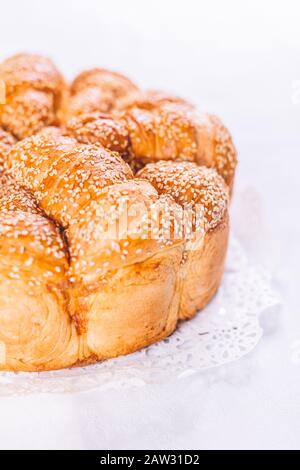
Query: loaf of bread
{"type": "Point", "coordinates": [114, 221]}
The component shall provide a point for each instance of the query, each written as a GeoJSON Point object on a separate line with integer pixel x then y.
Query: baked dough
{"type": "Point", "coordinates": [114, 226]}
{"type": "Point", "coordinates": [34, 94]}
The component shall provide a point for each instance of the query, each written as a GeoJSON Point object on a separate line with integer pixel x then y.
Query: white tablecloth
{"type": "Point", "coordinates": [242, 62]}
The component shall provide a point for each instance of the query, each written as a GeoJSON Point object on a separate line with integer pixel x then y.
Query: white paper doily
{"type": "Point", "coordinates": [226, 330]}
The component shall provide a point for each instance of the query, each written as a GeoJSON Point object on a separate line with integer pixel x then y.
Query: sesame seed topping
{"type": "Point", "coordinates": [34, 90]}
{"type": "Point", "coordinates": [107, 190]}
{"type": "Point", "coordinates": [200, 187]}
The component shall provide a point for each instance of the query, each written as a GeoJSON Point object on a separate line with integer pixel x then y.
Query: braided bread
{"type": "Point", "coordinates": [98, 260]}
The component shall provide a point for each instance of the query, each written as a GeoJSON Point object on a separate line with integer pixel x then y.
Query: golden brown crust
{"type": "Point", "coordinates": [6, 142]}
{"type": "Point", "coordinates": [174, 132]}
{"type": "Point", "coordinates": [215, 147]}
{"type": "Point", "coordinates": [36, 332]}
{"type": "Point", "coordinates": [96, 90]}
{"type": "Point", "coordinates": [99, 128]}
{"type": "Point", "coordinates": [91, 276]}
{"type": "Point", "coordinates": [105, 79]}
{"type": "Point", "coordinates": [192, 186]}
{"type": "Point", "coordinates": [149, 100]}
{"type": "Point", "coordinates": [82, 186]}
{"type": "Point", "coordinates": [160, 135]}
{"type": "Point", "coordinates": [154, 126]}
{"type": "Point", "coordinates": [64, 175]}
{"type": "Point", "coordinates": [136, 306]}
{"type": "Point", "coordinates": [203, 268]}
{"type": "Point", "coordinates": [103, 262]}
{"type": "Point", "coordinates": [99, 243]}
{"type": "Point", "coordinates": [85, 189]}
{"type": "Point", "coordinates": [205, 193]}
{"type": "Point", "coordinates": [34, 92]}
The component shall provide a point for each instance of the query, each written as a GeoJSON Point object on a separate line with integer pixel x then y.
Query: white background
{"type": "Point", "coordinates": [240, 60]}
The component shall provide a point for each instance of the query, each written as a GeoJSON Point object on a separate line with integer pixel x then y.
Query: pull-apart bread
{"type": "Point", "coordinates": [113, 215]}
